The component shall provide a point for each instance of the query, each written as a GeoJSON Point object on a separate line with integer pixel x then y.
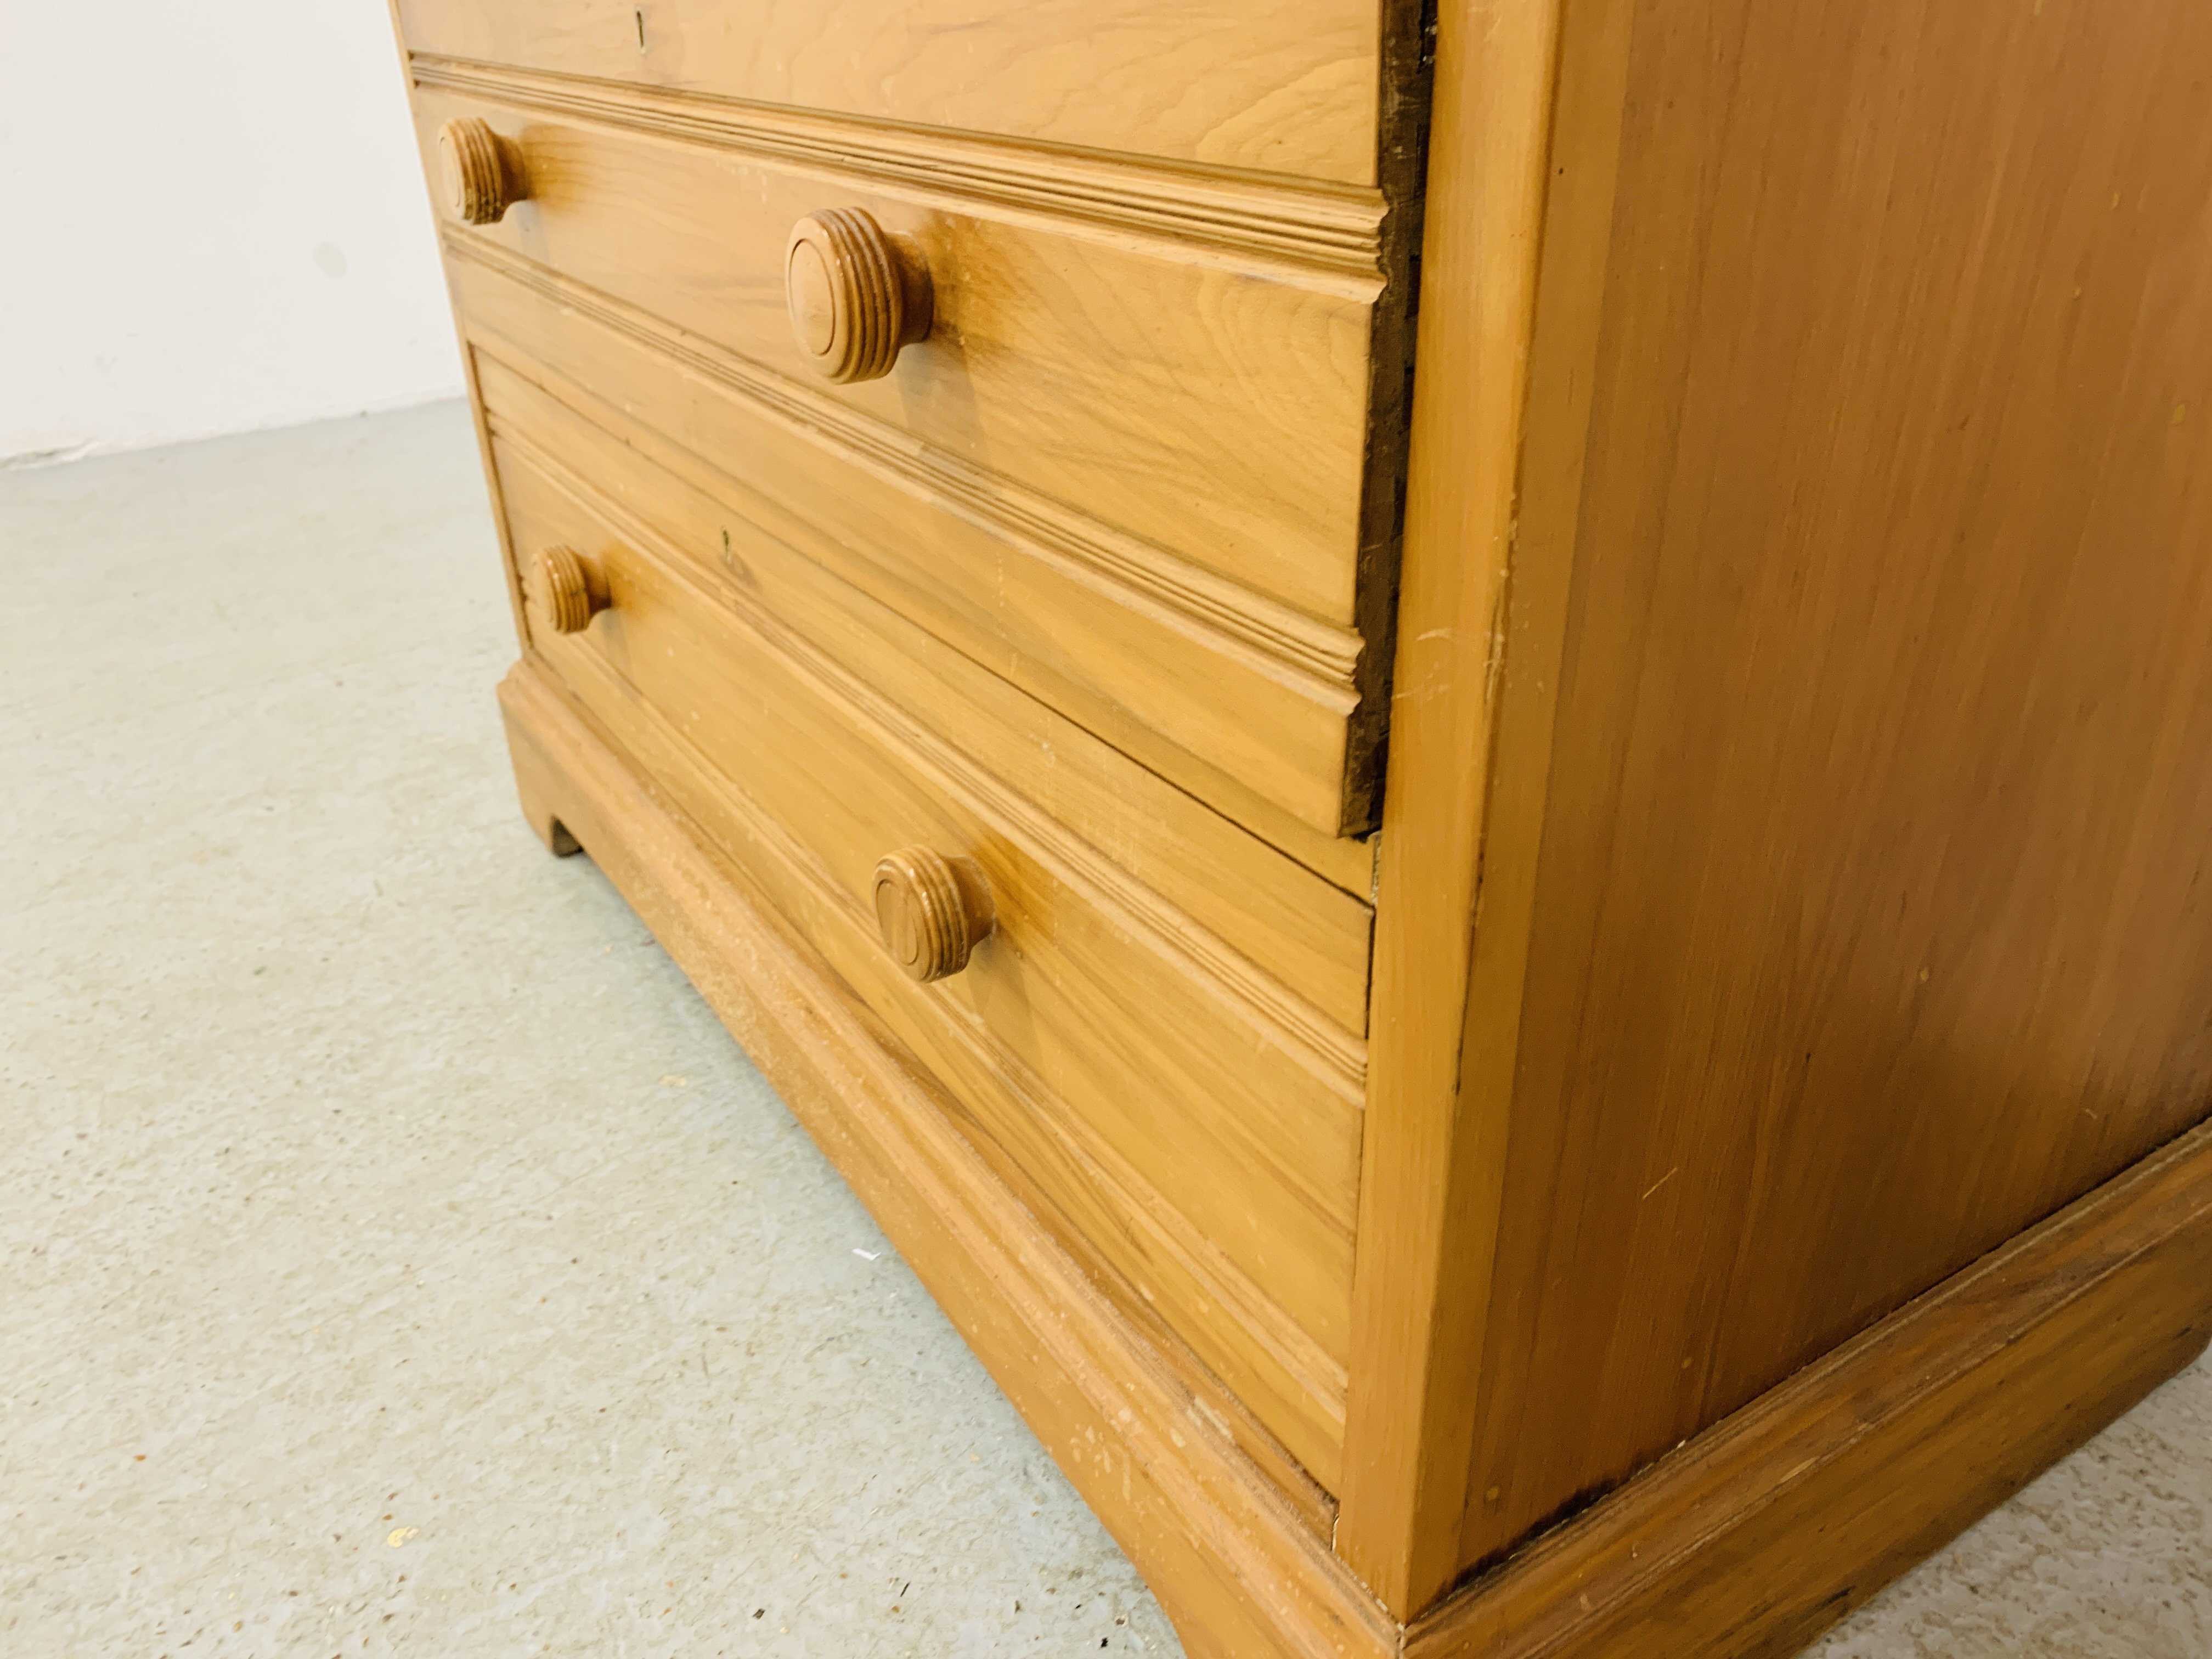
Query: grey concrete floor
{"type": "Point", "coordinates": [396, 1257]}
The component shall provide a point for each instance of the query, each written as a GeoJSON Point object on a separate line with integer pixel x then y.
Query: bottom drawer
{"type": "Point", "coordinates": [1194, 1120]}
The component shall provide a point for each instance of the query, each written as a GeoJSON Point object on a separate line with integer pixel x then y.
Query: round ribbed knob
{"type": "Point", "coordinates": [856, 293]}
{"type": "Point", "coordinates": [570, 589]}
{"type": "Point", "coordinates": [484, 171]}
{"type": "Point", "coordinates": [932, 910]}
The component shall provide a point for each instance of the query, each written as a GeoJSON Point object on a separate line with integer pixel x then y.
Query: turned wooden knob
{"type": "Point", "coordinates": [570, 589]}
{"type": "Point", "coordinates": [484, 171]}
{"type": "Point", "coordinates": [932, 910]}
{"type": "Point", "coordinates": [856, 293]}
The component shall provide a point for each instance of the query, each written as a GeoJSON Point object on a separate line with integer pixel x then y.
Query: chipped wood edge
{"type": "Point", "coordinates": [1235, 1564]}
{"type": "Point", "coordinates": [1402, 167]}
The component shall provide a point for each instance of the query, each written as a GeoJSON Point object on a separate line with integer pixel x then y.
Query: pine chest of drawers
{"type": "Point", "coordinates": [953, 461]}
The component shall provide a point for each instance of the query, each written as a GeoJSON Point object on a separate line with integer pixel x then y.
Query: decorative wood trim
{"type": "Point", "coordinates": [1747, 1542]}
{"type": "Point", "coordinates": [1284, 1017]}
{"type": "Point", "coordinates": [1308, 230]}
{"type": "Point", "coordinates": [1237, 1568]}
{"type": "Point", "coordinates": [1778, 1521]}
{"type": "Point", "coordinates": [1320, 659]}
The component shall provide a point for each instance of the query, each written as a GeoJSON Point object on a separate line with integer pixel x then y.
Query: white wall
{"type": "Point", "coordinates": [211, 218]}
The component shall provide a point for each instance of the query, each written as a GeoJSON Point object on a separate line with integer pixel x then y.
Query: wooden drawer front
{"type": "Point", "coordinates": [1179, 445]}
{"type": "Point", "coordinates": [1194, 1118]}
{"type": "Point", "coordinates": [1232, 83]}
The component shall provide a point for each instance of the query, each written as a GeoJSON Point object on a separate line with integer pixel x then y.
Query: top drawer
{"type": "Point", "coordinates": [1249, 84]}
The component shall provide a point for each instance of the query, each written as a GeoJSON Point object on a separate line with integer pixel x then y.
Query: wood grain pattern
{"type": "Point", "coordinates": [1227, 445]}
{"type": "Point", "coordinates": [1759, 1533]}
{"type": "Point", "coordinates": [1087, 997]}
{"type": "Point", "coordinates": [1221, 82]}
{"type": "Point", "coordinates": [1187, 699]}
{"type": "Point", "coordinates": [1861, 509]}
{"type": "Point", "coordinates": [1237, 1570]}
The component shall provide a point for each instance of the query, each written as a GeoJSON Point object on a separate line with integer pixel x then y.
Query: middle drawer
{"type": "Point", "coordinates": [1192, 1114]}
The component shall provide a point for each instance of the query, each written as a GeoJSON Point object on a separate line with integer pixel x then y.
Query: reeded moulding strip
{"type": "Point", "coordinates": [1330, 236]}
